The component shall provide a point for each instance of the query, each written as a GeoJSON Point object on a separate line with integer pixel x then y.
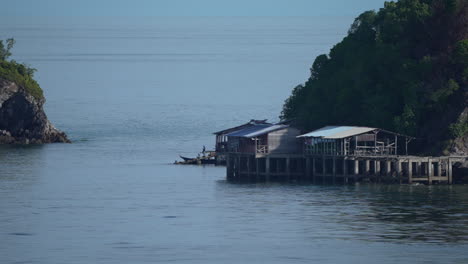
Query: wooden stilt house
{"type": "Point", "coordinates": [222, 139]}
{"type": "Point", "coordinates": [263, 139]}
{"type": "Point", "coordinates": [354, 141]}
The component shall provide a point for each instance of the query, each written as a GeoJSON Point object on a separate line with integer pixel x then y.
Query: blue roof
{"type": "Point", "coordinates": [256, 130]}
{"type": "Point", "coordinates": [266, 130]}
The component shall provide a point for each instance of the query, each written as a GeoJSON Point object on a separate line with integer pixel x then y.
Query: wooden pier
{"type": "Point", "coordinates": [333, 154]}
{"type": "Point", "coordinates": [341, 169]}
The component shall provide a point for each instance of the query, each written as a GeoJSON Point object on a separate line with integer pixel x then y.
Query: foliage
{"type": "Point", "coordinates": [5, 51]}
{"type": "Point", "coordinates": [397, 69]}
{"type": "Point", "coordinates": [17, 72]}
{"type": "Point", "coordinates": [459, 128]}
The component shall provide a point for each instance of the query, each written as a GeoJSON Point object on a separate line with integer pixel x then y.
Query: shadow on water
{"type": "Point", "coordinates": [374, 212]}
{"type": "Point", "coordinates": [434, 214]}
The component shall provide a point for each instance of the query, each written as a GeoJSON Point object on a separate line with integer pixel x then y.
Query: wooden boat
{"type": "Point", "coordinates": [186, 159]}
{"type": "Point", "coordinates": [210, 158]}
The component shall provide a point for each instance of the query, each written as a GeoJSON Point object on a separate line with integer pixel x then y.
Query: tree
{"type": "Point", "coordinates": [5, 51]}
{"type": "Point", "coordinates": [404, 68]}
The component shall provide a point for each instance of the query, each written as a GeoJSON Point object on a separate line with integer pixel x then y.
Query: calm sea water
{"type": "Point", "coordinates": [133, 94]}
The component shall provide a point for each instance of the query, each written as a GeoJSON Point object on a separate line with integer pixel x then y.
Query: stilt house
{"type": "Point", "coordinates": [263, 139]}
{"type": "Point", "coordinates": [354, 141]}
{"type": "Point", "coordinates": [221, 136]}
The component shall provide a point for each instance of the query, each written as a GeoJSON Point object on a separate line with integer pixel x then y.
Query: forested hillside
{"type": "Point", "coordinates": [403, 68]}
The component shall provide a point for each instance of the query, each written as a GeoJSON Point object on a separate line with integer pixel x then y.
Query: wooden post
{"type": "Point", "coordinates": [324, 167]}
{"type": "Point", "coordinates": [430, 171]}
{"type": "Point", "coordinates": [345, 169]}
{"type": "Point", "coordinates": [288, 168]}
{"type": "Point", "coordinates": [356, 144]}
{"type": "Point", "coordinates": [238, 173]}
{"type": "Point", "coordinates": [439, 168]}
{"type": "Point", "coordinates": [449, 171]}
{"type": "Point", "coordinates": [367, 167]}
{"type": "Point", "coordinates": [234, 166]}
{"type": "Point", "coordinates": [418, 169]}
{"type": "Point", "coordinates": [410, 172]}
{"type": "Point", "coordinates": [256, 145]}
{"type": "Point", "coordinates": [343, 144]}
{"type": "Point", "coordinates": [307, 172]}
{"type": "Point", "coordinates": [334, 169]}
{"type": "Point", "coordinates": [257, 169]}
{"type": "Point", "coordinates": [377, 167]}
{"type": "Point", "coordinates": [388, 168]}
{"type": "Point", "coordinates": [406, 146]}
{"type": "Point", "coordinates": [314, 171]}
{"type": "Point", "coordinates": [396, 145]}
{"type": "Point", "coordinates": [267, 168]}
{"type": "Point", "coordinates": [228, 166]}
{"type": "Point", "coordinates": [375, 143]}
{"type": "Point", "coordinates": [345, 150]}
{"type": "Point", "coordinates": [356, 170]}
{"type": "Point", "coordinates": [399, 171]}
{"type": "Point", "coordinates": [248, 167]}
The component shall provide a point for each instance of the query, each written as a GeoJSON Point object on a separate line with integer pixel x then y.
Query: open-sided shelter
{"type": "Point", "coordinates": [354, 141]}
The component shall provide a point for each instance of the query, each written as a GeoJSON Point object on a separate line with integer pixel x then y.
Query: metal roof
{"type": "Point", "coordinates": [267, 130]}
{"type": "Point", "coordinates": [248, 124]}
{"type": "Point", "coordinates": [337, 132]}
{"type": "Point", "coordinates": [256, 130]}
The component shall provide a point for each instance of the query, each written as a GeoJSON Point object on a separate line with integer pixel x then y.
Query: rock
{"type": "Point", "coordinates": [459, 145]}
{"type": "Point", "coordinates": [22, 118]}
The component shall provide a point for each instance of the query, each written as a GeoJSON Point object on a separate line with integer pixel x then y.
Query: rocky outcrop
{"type": "Point", "coordinates": [459, 146]}
{"type": "Point", "coordinates": [22, 118]}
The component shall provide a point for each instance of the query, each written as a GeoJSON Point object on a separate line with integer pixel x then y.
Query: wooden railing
{"type": "Point", "coordinates": [359, 151]}
{"type": "Point", "coordinates": [262, 149]}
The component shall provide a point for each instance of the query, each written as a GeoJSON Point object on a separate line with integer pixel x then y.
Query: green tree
{"type": "Point", "coordinates": [403, 68]}
{"type": "Point", "coordinates": [19, 73]}
{"type": "Point", "coordinates": [5, 51]}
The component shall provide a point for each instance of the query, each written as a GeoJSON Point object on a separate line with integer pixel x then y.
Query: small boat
{"type": "Point", "coordinates": [210, 158]}
{"type": "Point", "coordinates": [186, 159]}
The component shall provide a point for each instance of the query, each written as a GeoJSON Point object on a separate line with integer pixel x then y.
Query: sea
{"type": "Point", "coordinates": [135, 93]}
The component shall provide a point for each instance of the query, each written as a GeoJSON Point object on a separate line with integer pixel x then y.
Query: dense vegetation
{"type": "Point", "coordinates": [17, 72]}
{"type": "Point", "coordinates": [404, 68]}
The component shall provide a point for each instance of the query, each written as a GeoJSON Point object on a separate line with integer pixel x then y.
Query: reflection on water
{"type": "Point", "coordinates": [433, 214]}
{"type": "Point", "coordinates": [379, 213]}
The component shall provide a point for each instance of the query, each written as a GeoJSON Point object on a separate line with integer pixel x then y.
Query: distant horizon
{"type": "Point", "coordinates": [187, 8]}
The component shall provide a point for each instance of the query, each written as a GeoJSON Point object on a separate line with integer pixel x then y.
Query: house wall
{"type": "Point", "coordinates": [247, 145]}
{"type": "Point", "coordinates": [241, 145]}
{"type": "Point", "coordinates": [233, 144]}
{"type": "Point", "coordinates": [284, 141]}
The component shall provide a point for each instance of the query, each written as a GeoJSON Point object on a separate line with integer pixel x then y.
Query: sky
{"type": "Point", "coordinates": [186, 7]}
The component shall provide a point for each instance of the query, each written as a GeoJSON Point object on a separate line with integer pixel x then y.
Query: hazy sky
{"type": "Point", "coordinates": [186, 7]}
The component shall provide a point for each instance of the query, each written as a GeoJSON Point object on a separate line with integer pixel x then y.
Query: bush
{"type": "Point", "coordinates": [19, 73]}
{"type": "Point", "coordinates": [460, 128]}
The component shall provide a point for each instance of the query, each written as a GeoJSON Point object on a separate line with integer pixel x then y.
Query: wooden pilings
{"type": "Point", "coordinates": [335, 169]}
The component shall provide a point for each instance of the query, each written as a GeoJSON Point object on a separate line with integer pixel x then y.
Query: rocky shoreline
{"type": "Point", "coordinates": [22, 118]}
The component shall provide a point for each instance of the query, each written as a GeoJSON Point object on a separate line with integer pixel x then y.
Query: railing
{"type": "Point", "coordinates": [221, 147]}
{"type": "Point", "coordinates": [359, 151]}
{"type": "Point", "coordinates": [374, 151]}
{"type": "Point", "coordinates": [262, 149]}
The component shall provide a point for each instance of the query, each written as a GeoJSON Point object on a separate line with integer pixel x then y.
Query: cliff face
{"type": "Point", "coordinates": [438, 135]}
{"type": "Point", "coordinates": [459, 146]}
{"type": "Point", "coordinates": [22, 118]}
